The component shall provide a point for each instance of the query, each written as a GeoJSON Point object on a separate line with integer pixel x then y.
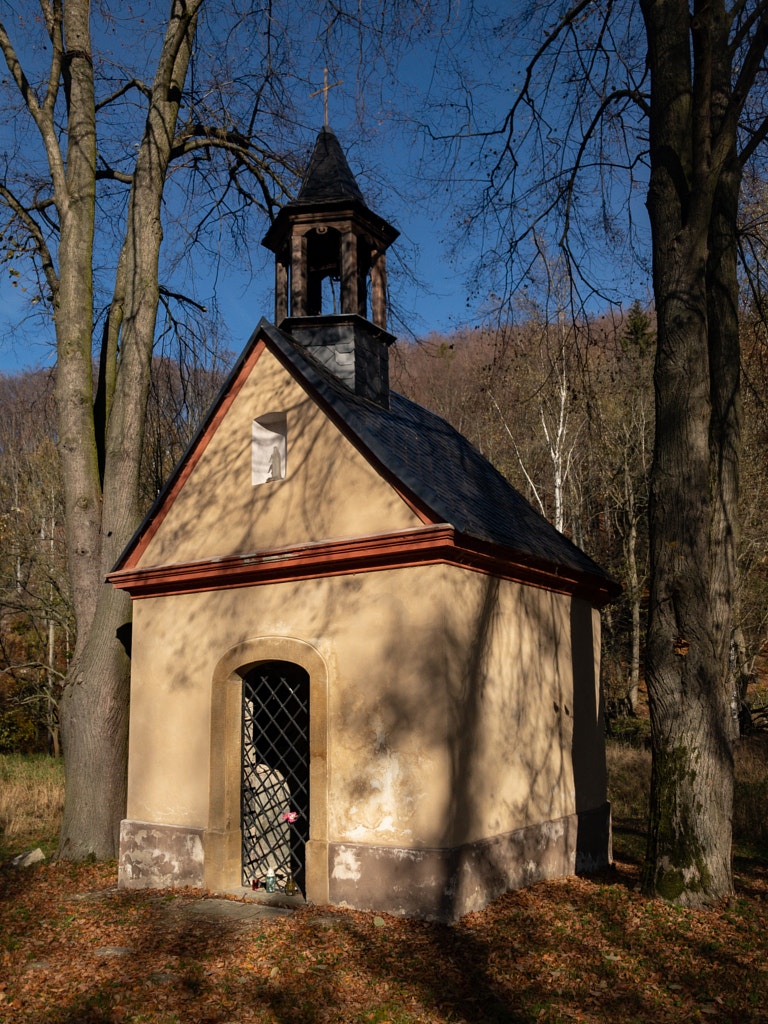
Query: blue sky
{"type": "Point", "coordinates": [436, 301]}
{"type": "Point", "coordinates": [458, 81]}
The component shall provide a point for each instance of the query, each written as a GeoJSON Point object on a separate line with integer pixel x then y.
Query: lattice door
{"type": "Point", "coordinates": [275, 772]}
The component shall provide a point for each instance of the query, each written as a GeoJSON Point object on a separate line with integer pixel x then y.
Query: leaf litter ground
{"type": "Point", "coordinates": [76, 950]}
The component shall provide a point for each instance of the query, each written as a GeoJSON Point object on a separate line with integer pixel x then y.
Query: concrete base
{"type": "Point", "coordinates": [435, 884]}
{"type": "Point", "coordinates": [154, 856]}
{"type": "Point", "coordinates": [443, 885]}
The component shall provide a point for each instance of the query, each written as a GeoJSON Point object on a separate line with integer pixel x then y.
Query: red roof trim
{"type": "Point", "coordinates": [428, 545]}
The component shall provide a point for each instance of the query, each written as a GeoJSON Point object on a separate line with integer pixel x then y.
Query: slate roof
{"type": "Point", "coordinates": [438, 465]}
{"type": "Point", "coordinates": [425, 455]}
{"type": "Point", "coordinates": [328, 177]}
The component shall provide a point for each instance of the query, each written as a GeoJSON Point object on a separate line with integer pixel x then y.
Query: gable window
{"type": "Point", "coordinates": [269, 448]}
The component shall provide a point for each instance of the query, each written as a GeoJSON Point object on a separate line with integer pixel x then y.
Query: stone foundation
{"type": "Point", "coordinates": [443, 885]}
{"type": "Point", "coordinates": [438, 885]}
{"type": "Point", "coordinates": [154, 856]}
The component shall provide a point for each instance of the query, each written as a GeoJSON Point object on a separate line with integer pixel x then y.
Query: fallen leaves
{"type": "Point", "coordinates": [76, 950]}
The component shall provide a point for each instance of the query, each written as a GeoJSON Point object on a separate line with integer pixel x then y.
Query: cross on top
{"type": "Point", "coordinates": [325, 89]}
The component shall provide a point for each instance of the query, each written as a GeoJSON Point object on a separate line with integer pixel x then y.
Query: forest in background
{"type": "Point", "coordinates": [563, 410]}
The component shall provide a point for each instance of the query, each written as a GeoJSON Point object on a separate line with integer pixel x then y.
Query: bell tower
{"type": "Point", "coordinates": [331, 275]}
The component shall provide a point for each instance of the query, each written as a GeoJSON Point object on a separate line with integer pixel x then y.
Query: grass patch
{"type": "Point", "coordinates": [750, 793]}
{"type": "Point", "coordinates": [629, 784]}
{"type": "Point", "coordinates": [31, 802]}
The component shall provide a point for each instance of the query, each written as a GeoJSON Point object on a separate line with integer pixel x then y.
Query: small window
{"type": "Point", "coordinates": [269, 448]}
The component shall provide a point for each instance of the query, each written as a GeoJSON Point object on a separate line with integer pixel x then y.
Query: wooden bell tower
{"type": "Point", "coordinates": [328, 234]}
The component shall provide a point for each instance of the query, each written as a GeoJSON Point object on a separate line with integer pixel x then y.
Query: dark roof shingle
{"type": "Point", "coordinates": [439, 466]}
{"type": "Point", "coordinates": [328, 177]}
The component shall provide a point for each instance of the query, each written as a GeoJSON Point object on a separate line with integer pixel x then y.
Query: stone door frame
{"type": "Point", "coordinates": [223, 837]}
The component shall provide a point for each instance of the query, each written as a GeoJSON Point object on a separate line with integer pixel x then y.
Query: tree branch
{"type": "Point", "coordinates": [54, 19]}
{"type": "Point", "coordinates": [36, 234]}
{"type": "Point", "coordinates": [108, 174]}
{"type": "Point", "coordinates": [750, 66]}
{"type": "Point", "coordinates": [185, 299]}
{"type": "Point", "coordinates": [42, 118]}
{"type": "Point", "coordinates": [586, 138]}
{"type": "Point", "coordinates": [757, 135]}
{"type": "Point", "coordinates": [134, 83]}
{"type": "Point", "coordinates": [524, 96]}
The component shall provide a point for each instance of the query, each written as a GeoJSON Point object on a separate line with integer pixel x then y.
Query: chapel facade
{"type": "Point", "coordinates": [362, 664]}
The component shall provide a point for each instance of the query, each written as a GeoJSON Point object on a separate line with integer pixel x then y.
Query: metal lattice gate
{"type": "Point", "coordinates": [275, 781]}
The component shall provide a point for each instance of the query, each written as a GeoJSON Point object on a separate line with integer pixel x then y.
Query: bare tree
{"type": "Point", "coordinates": [135, 146]}
{"type": "Point", "coordinates": [667, 97]}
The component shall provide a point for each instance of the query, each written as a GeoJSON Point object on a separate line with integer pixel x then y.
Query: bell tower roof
{"type": "Point", "coordinates": [328, 188]}
{"type": "Point", "coordinates": [331, 273]}
{"type": "Point", "coordinates": [328, 176]}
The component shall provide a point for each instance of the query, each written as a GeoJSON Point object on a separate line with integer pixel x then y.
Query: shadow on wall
{"type": "Point", "coordinates": [525, 749]}
{"type": "Point", "coordinates": [588, 750]}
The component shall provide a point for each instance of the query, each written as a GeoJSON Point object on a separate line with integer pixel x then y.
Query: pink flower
{"type": "Point", "coordinates": [290, 816]}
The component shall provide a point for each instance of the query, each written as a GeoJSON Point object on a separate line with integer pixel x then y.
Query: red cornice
{"type": "Point", "coordinates": [421, 546]}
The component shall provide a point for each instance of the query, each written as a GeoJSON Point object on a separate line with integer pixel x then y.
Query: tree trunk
{"type": "Point", "coordinates": [93, 746]}
{"type": "Point", "coordinates": [94, 707]}
{"type": "Point", "coordinates": [634, 598]}
{"type": "Point", "coordinates": [693, 480]}
{"type": "Point", "coordinates": [692, 777]}
{"type": "Point", "coordinates": [94, 734]}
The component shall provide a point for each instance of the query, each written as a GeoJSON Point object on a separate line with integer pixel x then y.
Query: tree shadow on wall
{"type": "Point", "coordinates": [522, 748]}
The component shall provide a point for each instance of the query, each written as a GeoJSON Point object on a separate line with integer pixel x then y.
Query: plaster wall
{"type": "Point", "coordinates": [450, 702]}
{"type": "Point", "coordinates": [372, 631]}
{"type": "Point", "coordinates": [525, 722]}
{"type": "Point", "coordinates": [329, 490]}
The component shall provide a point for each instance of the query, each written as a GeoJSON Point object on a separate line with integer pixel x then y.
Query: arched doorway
{"type": "Point", "coordinates": [275, 808]}
{"type": "Point", "coordinates": [223, 840]}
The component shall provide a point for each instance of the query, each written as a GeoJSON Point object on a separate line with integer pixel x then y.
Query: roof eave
{"type": "Point", "coordinates": [331, 208]}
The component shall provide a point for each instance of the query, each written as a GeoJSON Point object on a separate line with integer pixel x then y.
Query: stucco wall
{"type": "Point", "coordinates": [450, 701]}
{"type": "Point", "coordinates": [525, 729]}
{"type": "Point", "coordinates": [371, 630]}
{"type": "Point", "coordinates": [329, 490]}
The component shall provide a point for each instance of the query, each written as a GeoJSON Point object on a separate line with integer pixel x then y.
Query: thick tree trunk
{"type": "Point", "coordinates": [692, 779]}
{"type": "Point", "coordinates": [94, 733]}
{"type": "Point", "coordinates": [94, 708]}
{"type": "Point", "coordinates": [693, 479]}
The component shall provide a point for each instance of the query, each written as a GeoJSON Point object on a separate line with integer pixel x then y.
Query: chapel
{"type": "Point", "coordinates": [364, 668]}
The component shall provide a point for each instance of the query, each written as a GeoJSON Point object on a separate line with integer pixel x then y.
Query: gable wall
{"type": "Point", "coordinates": [329, 492]}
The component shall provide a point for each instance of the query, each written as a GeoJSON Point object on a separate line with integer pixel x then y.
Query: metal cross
{"type": "Point", "coordinates": [325, 89]}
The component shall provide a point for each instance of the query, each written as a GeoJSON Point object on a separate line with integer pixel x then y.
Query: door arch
{"type": "Point", "coordinates": [223, 836]}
